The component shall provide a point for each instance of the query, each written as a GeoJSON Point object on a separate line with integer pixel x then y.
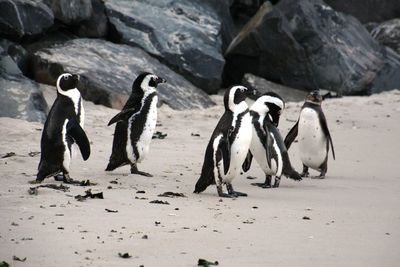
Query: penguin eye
{"type": "Point", "coordinates": [66, 77]}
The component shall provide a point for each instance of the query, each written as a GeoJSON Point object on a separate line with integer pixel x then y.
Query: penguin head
{"type": "Point", "coordinates": [146, 81]}
{"type": "Point", "coordinates": [236, 95]}
{"type": "Point", "coordinates": [67, 81]}
{"type": "Point", "coordinates": [67, 84]}
{"type": "Point", "coordinates": [314, 97]}
{"type": "Point", "coordinates": [270, 104]}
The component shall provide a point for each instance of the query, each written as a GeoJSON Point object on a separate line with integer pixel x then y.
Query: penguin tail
{"type": "Point", "coordinates": [112, 165]}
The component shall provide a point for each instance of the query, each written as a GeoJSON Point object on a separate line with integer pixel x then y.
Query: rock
{"type": "Point", "coordinates": [24, 18]}
{"type": "Point", "coordinates": [70, 12]}
{"type": "Point", "coordinates": [96, 25]}
{"type": "Point", "coordinates": [107, 72]}
{"type": "Point", "coordinates": [368, 10]}
{"type": "Point", "coordinates": [388, 34]}
{"type": "Point", "coordinates": [305, 45]}
{"type": "Point", "coordinates": [17, 53]}
{"type": "Point", "coordinates": [263, 86]}
{"type": "Point", "coordinates": [185, 35]}
{"type": "Point", "coordinates": [21, 98]}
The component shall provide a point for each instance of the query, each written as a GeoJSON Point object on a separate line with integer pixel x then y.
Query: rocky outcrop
{"type": "Point", "coordinates": [19, 97]}
{"type": "Point", "coordinates": [263, 86]}
{"type": "Point", "coordinates": [96, 26]}
{"type": "Point", "coordinates": [70, 11]}
{"type": "Point", "coordinates": [185, 35]}
{"type": "Point", "coordinates": [368, 10]}
{"type": "Point", "coordinates": [24, 18]}
{"type": "Point", "coordinates": [17, 53]}
{"type": "Point", "coordinates": [306, 45]}
{"type": "Point", "coordinates": [388, 34]}
{"type": "Point", "coordinates": [107, 72]}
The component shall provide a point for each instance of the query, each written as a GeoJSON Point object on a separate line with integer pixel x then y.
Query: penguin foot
{"type": "Point", "coordinates": [226, 195]}
{"type": "Point", "coordinates": [64, 178]}
{"type": "Point", "coordinates": [305, 174]}
{"type": "Point", "coordinates": [238, 194]}
{"type": "Point", "coordinates": [134, 170]}
{"type": "Point", "coordinates": [276, 184]}
{"type": "Point", "coordinates": [321, 176]}
{"type": "Point", "coordinates": [262, 185]}
{"type": "Point", "coordinates": [36, 181]}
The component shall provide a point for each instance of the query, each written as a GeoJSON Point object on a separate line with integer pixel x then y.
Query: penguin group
{"type": "Point", "coordinates": [241, 134]}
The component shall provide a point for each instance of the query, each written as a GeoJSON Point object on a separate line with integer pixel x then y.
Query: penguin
{"type": "Point", "coordinates": [135, 124]}
{"type": "Point", "coordinates": [313, 134]}
{"type": "Point", "coordinates": [63, 127]}
{"type": "Point", "coordinates": [267, 146]}
{"type": "Point", "coordinates": [228, 145]}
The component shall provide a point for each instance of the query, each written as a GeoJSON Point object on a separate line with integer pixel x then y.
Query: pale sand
{"type": "Point", "coordinates": [354, 212]}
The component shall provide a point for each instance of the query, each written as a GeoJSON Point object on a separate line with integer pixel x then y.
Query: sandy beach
{"type": "Point", "coordinates": [353, 214]}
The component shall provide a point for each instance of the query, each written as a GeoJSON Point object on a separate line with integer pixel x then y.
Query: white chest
{"type": "Point", "coordinates": [311, 138]}
{"type": "Point", "coordinates": [240, 147]}
{"type": "Point", "coordinates": [149, 126]}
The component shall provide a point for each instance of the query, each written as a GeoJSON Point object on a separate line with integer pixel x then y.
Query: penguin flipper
{"type": "Point", "coordinates": [247, 162]}
{"type": "Point", "coordinates": [224, 148]}
{"type": "Point", "coordinates": [268, 142]}
{"type": "Point", "coordinates": [291, 135]}
{"type": "Point", "coordinates": [78, 134]}
{"type": "Point", "coordinates": [124, 115]}
{"type": "Point", "coordinates": [324, 126]}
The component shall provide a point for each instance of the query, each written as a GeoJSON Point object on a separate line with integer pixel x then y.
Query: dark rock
{"type": "Point", "coordinates": [107, 72]}
{"type": "Point", "coordinates": [19, 18]}
{"type": "Point", "coordinates": [70, 12]}
{"type": "Point", "coordinates": [306, 45]}
{"type": "Point", "coordinates": [263, 86]}
{"type": "Point", "coordinates": [96, 25]}
{"type": "Point", "coordinates": [186, 35]}
{"type": "Point", "coordinates": [20, 97]}
{"type": "Point", "coordinates": [388, 34]}
{"type": "Point", "coordinates": [17, 53]}
{"type": "Point", "coordinates": [368, 10]}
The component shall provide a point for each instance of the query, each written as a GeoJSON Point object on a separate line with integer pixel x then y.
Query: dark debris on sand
{"type": "Point", "coordinates": [89, 194]}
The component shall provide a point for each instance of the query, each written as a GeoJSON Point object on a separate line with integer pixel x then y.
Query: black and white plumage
{"type": "Point", "coordinates": [267, 146]}
{"type": "Point", "coordinates": [63, 127]}
{"type": "Point", "coordinates": [313, 135]}
{"type": "Point", "coordinates": [135, 124]}
{"type": "Point", "coordinates": [228, 145]}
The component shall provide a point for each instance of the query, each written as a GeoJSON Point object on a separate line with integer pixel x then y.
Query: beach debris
{"type": "Point", "coordinates": [19, 259]}
{"type": "Point", "coordinates": [206, 263]}
{"type": "Point", "coordinates": [159, 202]}
{"type": "Point", "coordinates": [34, 190]}
{"type": "Point", "coordinates": [195, 134]}
{"type": "Point", "coordinates": [251, 177]}
{"type": "Point", "coordinates": [306, 218]}
{"type": "Point", "coordinates": [145, 237]}
{"type": "Point", "coordinates": [60, 178]}
{"type": "Point", "coordinates": [8, 155]}
{"type": "Point", "coordinates": [112, 211]}
{"type": "Point", "coordinates": [159, 135]}
{"type": "Point", "coordinates": [157, 223]}
{"type": "Point", "coordinates": [14, 224]}
{"type": "Point", "coordinates": [124, 255]}
{"type": "Point", "coordinates": [60, 228]}
{"type": "Point", "coordinates": [114, 182]}
{"type": "Point", "coordinates": [33, 153]}
{"type": "Point", "coordinates": [249, 221]}
{"type": "Point", "coordinates": [171, 194]}
{"type": "Point", "coordinates": [141, 192]}
{"type": "Point", "coordinates": [89, 194]}
{"type": "Point", "coordinates": [4, 264]}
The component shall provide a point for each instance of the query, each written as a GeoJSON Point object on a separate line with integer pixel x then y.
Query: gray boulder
{"type": "Point", "coordinates": [20, 97]}
{"type": "Point", "coordinates": [108, 71]}
{"type": "Point", "coordinates": [96, 25]}
{"type": "Point", "coordinates": [263, 86]}
{"type": "Point", "coordinates": [186, 35]}
{"type": "Point", "coordinates": [305, 44]}
{"type": "Point", "coordinates": [20, 18]}
{"type": "Point", "coordinates": [70, 11]}
{"type": "Point", "coordinates": [17, 53]}
{"type": "Point", "coordinates": [388, 34]}
{"type": "Point", "coordinates": [368, 10]}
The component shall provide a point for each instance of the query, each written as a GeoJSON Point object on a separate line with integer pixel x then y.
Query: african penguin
{"type": "Point", "coordinates": [135, 124]}
{"type": "Point", "coordinates": [228, 145]}
{"type": "Point", "coordinates": [313, 136]}
{"type": "Point", "coordinates": [63, 127]}
{"type": "Point", "coordinates": [267, 145]}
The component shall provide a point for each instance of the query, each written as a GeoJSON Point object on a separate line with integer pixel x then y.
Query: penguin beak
{"type": "Point", "coordinates": [160, 80]}
{"type": "Point", "coordinates": [252, 91]}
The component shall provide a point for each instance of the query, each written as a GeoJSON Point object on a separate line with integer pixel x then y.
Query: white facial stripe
{"type": "Point", "coordinates": [273, 100]}
{"type": "Point", "coordinates": [232, 96]}
{"type": "Point", "coordinates": [145, 83]}
{"type": "Point", "coordinates": [259, 106]}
